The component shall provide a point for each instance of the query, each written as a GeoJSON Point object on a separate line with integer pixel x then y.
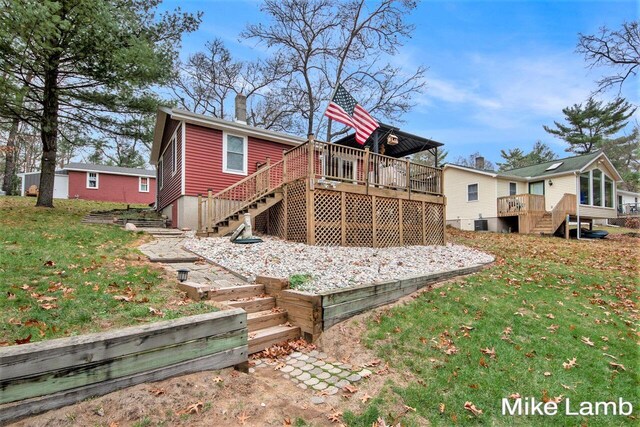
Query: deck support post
{"type": "Point", "coordinates": [366, 169]}
{"type": "Point", "coordinates": [209, 210]}
{"type": "Point", "coordinates": [200, 230]}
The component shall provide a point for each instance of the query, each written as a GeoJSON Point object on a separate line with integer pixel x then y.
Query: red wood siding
{"type": "Point", "coordinates": [111, 188]}
{"type": "Point", "coordinates": [204, 159]}
{"type": "Point", "coordinates": [172, 183]}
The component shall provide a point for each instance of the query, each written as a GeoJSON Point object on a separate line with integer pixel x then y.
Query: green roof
{"type": "Point", "coordinates": [567, 165]}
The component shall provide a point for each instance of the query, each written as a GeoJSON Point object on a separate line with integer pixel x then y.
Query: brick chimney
{"type": "Point", "coordinates": [241, 109]}
{"type": "Point", "coordinates": [480, 162]}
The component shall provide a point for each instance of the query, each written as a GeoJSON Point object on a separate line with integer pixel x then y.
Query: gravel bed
{"type": "Point", "coordinates": [333, 267]}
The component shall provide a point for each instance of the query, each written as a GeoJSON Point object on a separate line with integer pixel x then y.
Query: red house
{"type": "Point", "coordinates": [194, 153]}
{"type": "Point", "coordinates": [99, 182]}
{"type": "Point", "coordinates": [111, 183]}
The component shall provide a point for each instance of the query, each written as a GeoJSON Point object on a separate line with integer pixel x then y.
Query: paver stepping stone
{"type": "Point", "coordinates": [316, 371]}
{"type": "Point", "coordinates": [319, 363]}
{"type": "Point", "coordinates": [307, 367]}
{"type": "Point", "coordinates": [314, 353]}
{"type": "Point", "coordinates": [286, 376]}
{"type": "Point", "coordinates": [304, 376]}
{"type": "Point", "coordinates": [317, 400]}
{"type": "Point", "coordinates": [321, 355]}
{"type": "Point", "coordinates": [312, 381]}
{"type": "Point", "coordinates": [299, 364]}
{"type": "Point", "coordinates": [296, 354]}
{"type": "Point", "coordinates": [353, 378]}
{"type": "Point", "coordinates": [332, 379]}
{"type": "Point", "coordinates": [311, 360]}
{"type": "Point", "coordinates": [365, 373]}
{"type": "Point", "coordinates": [303, 357]}
{"type": "Point", "coordinates": [334, 370]}
{"type": "Point", "coordinates": [302, 386]}
{"type": "Point", "coordinates": [296, 372]}
{"type": "Point", "coordinates": [320, 386]}
{"type": "Point", "coordinates": [323, 375]}
{"type": "Point", "coordinates": [342, 374]}
{"type": "Point", "coordinates": [342, 383]}
{"type": "Point", "coordinates": [331, 390]}
{"type": "Point", "coordinates": [328, 366]}
{"type": "Point", "coordinates": [287, 368]}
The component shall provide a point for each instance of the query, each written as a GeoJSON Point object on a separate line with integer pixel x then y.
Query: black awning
{"type": "Point", "coordinates": [407, 143]}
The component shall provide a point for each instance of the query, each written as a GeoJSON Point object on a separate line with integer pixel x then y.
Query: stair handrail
{"type": "Point", "coordinates": [243, 193]}
{"type": "Point", "coordinates": [566, 205]}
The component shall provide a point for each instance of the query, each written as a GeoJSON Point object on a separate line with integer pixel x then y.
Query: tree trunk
{"type": "Point", "coordinates": [49, 134]}
{"type": "Point", "coordinates": [10, 160]}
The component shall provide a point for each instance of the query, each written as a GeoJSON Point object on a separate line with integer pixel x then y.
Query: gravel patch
{"type": "Point", "coordinates": [333, 267]}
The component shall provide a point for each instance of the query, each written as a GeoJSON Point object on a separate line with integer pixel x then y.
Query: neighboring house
{"type": "Point", "coordinates": [212, 171]}
{"type": "Point", "coordinates": [533, 199]}
{"type": "Point", "coordinates": [628, 203]}
{"type": "Point", "coordinates": [99, 182]}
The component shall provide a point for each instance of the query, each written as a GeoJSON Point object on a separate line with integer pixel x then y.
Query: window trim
{"type": "Point", "coordinates": [477, 192]}
{"type": "Point", "coordinates": [140, 178]}
{"type": "Point", "coordinates": [174, 154]}
{"type": "Point", "coordinates": [160, 173]}
{"type": "Point", "coordinates": [514, 183]}
{"type": "Point", "coordinates": [97, 181]}
{"type": "Point", "coordinates": [245, 148]}
{"type": "Point", "coordinates": [603, 204]}
{"type": "Point", "coordinates": [544, 191]}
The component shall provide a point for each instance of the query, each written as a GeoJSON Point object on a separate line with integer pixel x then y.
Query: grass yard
{"type": "Point", "coordinates": [59, 277]}
{"type": "Point", "coordinates": [551, 319]}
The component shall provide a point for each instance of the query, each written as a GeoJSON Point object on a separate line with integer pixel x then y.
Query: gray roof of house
{"type": "Point", "coordinates": [110, 169]}
{"type": "Point", "coordinates": [568, 164]}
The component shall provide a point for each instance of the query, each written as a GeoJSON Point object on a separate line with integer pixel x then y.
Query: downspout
{"type": "Point", "coordinates": [578, 204]}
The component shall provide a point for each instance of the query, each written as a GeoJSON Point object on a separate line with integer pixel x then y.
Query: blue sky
{"type": "Point", "coordinates": [498, 70]}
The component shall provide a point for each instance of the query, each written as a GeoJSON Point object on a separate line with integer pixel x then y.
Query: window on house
{"type": "Point", "coordinates": [144, 185]}
{"type": "Point", "coordinates": [608, 192]}
{"type": "Point", "coordinates": [160, 174]}
{"type": "Point", "coordinates": [472, 192]}
{"type": "Point", "coordinates": [585, 189]}
{"type": "Point", "coordinates": [536, 188]}
{"type": "Point", "coordinates": [92, 180]}
{"type": "Point", "coordinates": [235, 154]}
{"type": "Point", "coordinates": [597, 187]}
{"type": "Point", "coordinates": [513, 188]}
{"type": "Point", "coordinates": [174, 157]}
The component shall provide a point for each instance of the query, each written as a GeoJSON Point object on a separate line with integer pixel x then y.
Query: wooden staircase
{"type": "Point", "coordinates": [544, 225]}
{"type": "Point", "coordinates": [231, 222]}
{"type": "Point", "coordinates": [268, 324]}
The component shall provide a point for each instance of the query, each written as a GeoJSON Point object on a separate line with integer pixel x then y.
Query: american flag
{"type": "Point", "coordinates": [345, 109]}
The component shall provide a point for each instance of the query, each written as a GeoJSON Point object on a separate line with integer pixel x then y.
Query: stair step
{"type": "Point", "coordinates": [236, 292]}
{"type": "Point", "coordinates": [254, 305]}
{"type": "Point", "coordinates": [265, 319]}
{"type": "Point", "coordinates": [265, 338]}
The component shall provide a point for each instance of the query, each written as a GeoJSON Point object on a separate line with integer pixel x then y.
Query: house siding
{"type": "Point", "coordinates": [503, 187]}
{"type": "Point", "coordinates": [561, 185]}
{"type": "Point", "coordinates": [111, 188]}
{"type": "Point", "coordinates": [596, 211]}
{"type": "Point", "coordinates": [458, 208]}
{"type": "Point", "coordinates": [172, 182]}
{"type": "Point", "coordinates": [203, 153]}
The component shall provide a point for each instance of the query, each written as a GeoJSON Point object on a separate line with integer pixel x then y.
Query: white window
{"type": "Point", "coordinates": [234, 154]}
{"type": "Point", "coordinates": [144, 184]}
{"type": "Point", "coordinates": [92, 180]}
{"type": "Point", "coordinates": [160, 173]}
{"type": "Point", "coordinates": [513, 188]}
{"type": "Point", "coordinates": [174, 157]}
{"type": "Point", "coordinates": [472, 192]}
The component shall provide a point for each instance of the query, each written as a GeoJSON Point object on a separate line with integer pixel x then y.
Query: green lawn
{"type": "Point", "coordinates": [511, 329]}
{"type": "Point", "coordinates": [59, 277]}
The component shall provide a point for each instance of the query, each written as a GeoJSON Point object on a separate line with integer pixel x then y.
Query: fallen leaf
{"type": "Point", "coordinates": [374, 362]}
{"type": "Point", "coordinates": [515, 396]}
{"type": "Point", "coordinates": [156, 391]}
{"type": "Point", "coordinates": [441, 408]}
{"type": "Point", "coordinates": [587, 341]}
{"type": "Point", "coordinates": [490, 352]}
{"type": "Point", "coordinates": [122, 298]}
{"type": "Point", "coordinates": [218, 380]}
{"type": "Point", "coordinates": [335, 417]}
{"type": "Point", "coordinates": [243, 417]}
{"type": "Point", "coordinates": [24, 340]}
{"type": "Point", "coordinates": [550, 316]}
{"type": "Point", "coordinates": [50, 264]}
{"type": "Point", "coordinates": [547, 374]}
{"type": "Point", "coordinates": [617, 365]}
{"type": "Point", "coordinates": [156, 312]}
{"type": "Point", "coordinates": [365, 398]}
{"type": "Point", "coordinates": [349, 388]}
{"type": "Point", "coordinates": [192, 409]}
{"type": "Point", "coordinates": [472, 408]}
{"type": "Point", "coordinates": [571, 363]}
{"type": "Point", "coordinates": [48, 306]}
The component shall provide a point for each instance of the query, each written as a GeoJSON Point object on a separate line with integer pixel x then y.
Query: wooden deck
{"type": "Point", "coordinates": [532, 214]}
{"type": "Point", "coordinates": [336, 195]}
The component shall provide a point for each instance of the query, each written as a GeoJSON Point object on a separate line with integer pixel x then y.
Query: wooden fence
{"type": "Point", "coordinates": [46, 375]}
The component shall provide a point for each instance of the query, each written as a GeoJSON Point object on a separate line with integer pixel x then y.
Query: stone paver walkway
{"type": "Point", "coordinates": [315, 371]}
{"type": "Point", "coordinates": [167, 249]}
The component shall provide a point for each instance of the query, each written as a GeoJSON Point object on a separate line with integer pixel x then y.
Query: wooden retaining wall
{"type": "Point", "coordinates": [46, 375]}
{"type": "Point", "coordinates": [341, 304]}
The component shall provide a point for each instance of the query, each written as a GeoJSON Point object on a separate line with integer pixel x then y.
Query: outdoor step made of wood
{"type": "Point", "coordinates": [266, 319]}
{"type": "Point", "coordinates": [265, 338]}
{"type": "Point", "coordinates": [254, 305]}
{"type": "Point", "coordinates": [235, 292]}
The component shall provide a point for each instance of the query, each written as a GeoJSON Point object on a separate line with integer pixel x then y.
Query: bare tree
{"type": "Point", "coordinates": [617, 49]}
{"type": "Point", "coordinates": [207, 80]}
{"type": "Point", "coordinates": [327, 42]}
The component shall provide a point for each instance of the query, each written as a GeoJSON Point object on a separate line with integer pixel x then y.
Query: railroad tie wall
{"type": "Point", "coordinates": [50, 374]}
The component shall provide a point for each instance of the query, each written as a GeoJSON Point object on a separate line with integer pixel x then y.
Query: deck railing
{"type": "Point", "coordinates": [319, 160]}
{"type": "Point", "coordinates": [520, 204]}
{"type": "Point", "coordinates": [566, 206]}
{"type": "Point", "coordinates": [627, 209]}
